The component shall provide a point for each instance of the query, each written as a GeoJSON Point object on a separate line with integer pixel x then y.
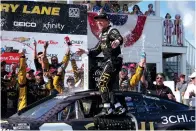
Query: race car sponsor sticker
{"type": "Point", "coordinates": [150, 97]}
{"type": "Point", "coordinates": [177, 119]}
{"type": "Point", "coordinates": [127, 98]}
{"type": "Point", "coordinates": [21, 126]}
{"type": "Point", "coordinates": [61, 97]}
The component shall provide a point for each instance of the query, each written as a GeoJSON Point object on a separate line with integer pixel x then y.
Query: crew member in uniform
{"type": "Point", "coordinates": [109, 45]}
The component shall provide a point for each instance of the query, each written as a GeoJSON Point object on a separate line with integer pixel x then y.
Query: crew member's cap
{"type": "Point", "coordinates": [182, 75]}
{"type": "Point", "coordinates": [3, 63]}
{"type": "Point", "coordinates": [132, 65]}
{"type": "Point", "coordinates": [52, 70]}
{"type": "Point", "coordinates": [10, 74]}
{"type": "Point", "coordinates": [193, 75]}
{"type": "Point", "coordinates": [101, 16]}
{"type": "Point", "coordinates": [70, 78]}
{"type": "Point", "coordinates": [38, 73]}
{"type": "Point", "coordinates": [29, 69]}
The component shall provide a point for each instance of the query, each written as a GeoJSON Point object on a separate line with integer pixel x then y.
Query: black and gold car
{"type": "Point", "coordinates": [76, 111]}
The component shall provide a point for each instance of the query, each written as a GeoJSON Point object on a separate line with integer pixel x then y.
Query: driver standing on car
{"type": "Point", "coordinates": [109, 44]}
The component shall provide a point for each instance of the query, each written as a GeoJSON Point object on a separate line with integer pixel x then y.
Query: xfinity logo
{"type": "Point", "coordinates": [24, 24]}
{"type": "Point", "coordinates": [54, 26]}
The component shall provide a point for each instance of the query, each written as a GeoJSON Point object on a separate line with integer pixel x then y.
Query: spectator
{"type": "Point", "coordinates": [150, 11]}
{"type": "Point", "coordinates": [124, 79]}
{"type": "Point", "coordinates": [176, 79]}
{"type": "Point", "coordinates": [70, 83]}
{"type": "Point", "coordinates": [125, 9]}
{"type": "Point", "coordinates": [30, 74]}
{"type": "Point", "coordinates": [178, 29]}
{"type": "Point", "coordinates": [78, 74]}
{"type": "Point", "coordinates": [136, 10]}
{"type": "Point", "coordinates": [168, 28]}
{"type": "Point", "coordinates": [97, 6]}
{"type": "Point", "coordinates": [132, 69]}
{"type": "Point", "coordinates": [88, 4]}
{"type": "Point", "coordinates": [117, 8]}
{"type": "Point", "coordinates": [41, 88]}
{"type": "Point", "coordinates": [58, 80]}
{"type": "Point", "coordinates": [190, 93]}
{"type": "Point", "coordinates": [181, 86]}
{"type": "Point", "coordinates": [30, 93]}
{"type": "Point", "coordinates": [8, 92]}
{"type": "Point", "coordinates": [37, 57]}
{"type": "Point", "coordinates": [160, 89]}
{"type": "Point", "coordinates": [3, 71]}
{"type": "Point", "coordinates": [107, 7]}
{"type": "Point", "coordinates": [12, 94]}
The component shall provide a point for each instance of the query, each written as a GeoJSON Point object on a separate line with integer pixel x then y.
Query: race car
{"type": "Point", "coordinates": [76, 111]}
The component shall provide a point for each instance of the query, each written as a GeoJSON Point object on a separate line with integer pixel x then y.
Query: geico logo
{"type": "Point", "coordinates": [25, 24]}
{"type": "Point", "coordinates": [50, 42]}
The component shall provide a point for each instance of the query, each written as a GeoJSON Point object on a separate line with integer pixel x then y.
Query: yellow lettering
{"type": "Point", "coordinates": [5, 7]}
{"type": "Point", "coordinates": [89, 125]}
{"type": "Point", "coordinates": [14, 7]}
{"type": "Point", "coordinates": [25, 10]}
{"type": "Point", "coordinates": [36, 10]}
{"type": "Point", "coordinates": [55, 11]}
{"type": "Point", "coordinates": [143, 126]}
{"type": "Point", "coordinates": [46, 10]}
{"type": "Point", "coordinates": [151, 126]}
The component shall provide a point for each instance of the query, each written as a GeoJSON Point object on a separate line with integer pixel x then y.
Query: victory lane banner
{"type": "Point", "coordinates": [29, 16]}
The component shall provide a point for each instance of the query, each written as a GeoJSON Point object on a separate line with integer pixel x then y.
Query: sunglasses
{"type": "Point", "coordinates": [124, 70]}
{"type": "Point", "coordinates": [70, 80]}
{"type": "Point", "coordinates": [159, 78]}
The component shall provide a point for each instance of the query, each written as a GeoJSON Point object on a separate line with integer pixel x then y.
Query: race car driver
{"type": "Point", "coordinates": [109, 44]}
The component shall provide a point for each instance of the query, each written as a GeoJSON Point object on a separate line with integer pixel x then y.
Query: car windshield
{"type": "Point", "coordinates": [41, 109]}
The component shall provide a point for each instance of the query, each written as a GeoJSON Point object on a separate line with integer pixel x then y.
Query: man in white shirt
{"type": "Point", "coordinates": [190, 93]}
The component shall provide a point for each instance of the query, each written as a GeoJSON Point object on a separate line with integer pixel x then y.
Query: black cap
{"type": "Point", "coordinates": [101, 16]}
{"type": "Point", "coordinates": [3, 63]}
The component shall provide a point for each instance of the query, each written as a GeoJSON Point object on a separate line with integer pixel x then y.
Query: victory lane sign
{"type": "Point", "coordinates": [43, 17]}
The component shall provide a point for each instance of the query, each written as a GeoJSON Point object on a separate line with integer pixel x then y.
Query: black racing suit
{"type": "Point", "coordinates": [113, 63]}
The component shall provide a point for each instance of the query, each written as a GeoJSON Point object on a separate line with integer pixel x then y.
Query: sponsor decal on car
{"type": "Point", "coordinates": [150, 97]}
{"type": "Point", "coordinates": [183, 118]}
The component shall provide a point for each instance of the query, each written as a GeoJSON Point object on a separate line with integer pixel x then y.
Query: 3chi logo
{"type": "Point", "coordinates": [74, 12]}
{"type": "Point", "coordinates": [3, 21]}
{"type": "Point", "coordinates": [24, 24]}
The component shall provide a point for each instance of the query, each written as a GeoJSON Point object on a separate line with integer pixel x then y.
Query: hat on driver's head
{"type": "Point", "coordinates": [101, 16]}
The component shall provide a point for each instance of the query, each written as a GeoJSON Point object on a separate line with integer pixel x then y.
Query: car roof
{"type": "Point", "coordinates": [86, 93]}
